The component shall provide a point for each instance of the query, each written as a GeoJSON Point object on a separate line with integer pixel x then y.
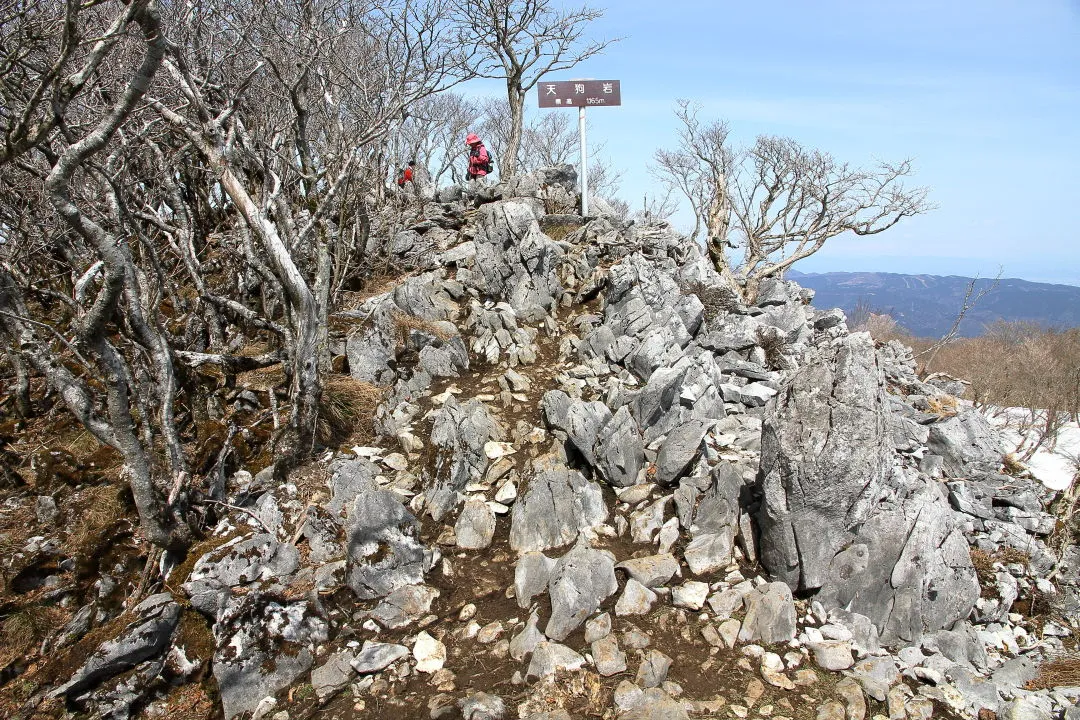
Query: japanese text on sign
{"type": "Point", "coordinates": [579, 93]}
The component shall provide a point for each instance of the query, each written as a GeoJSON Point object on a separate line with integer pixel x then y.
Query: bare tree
{"type": "Point", "coordinates": [181, 184]}
{"type": "Point", "coordinates": [776, 202]}
{"type": "Point", "coordinates": [519, 41]}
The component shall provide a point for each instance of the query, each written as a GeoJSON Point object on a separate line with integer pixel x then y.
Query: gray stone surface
{"type": "Point", "coordinates": [333, 674]}
{"type": "Point", "coordinates": [482, 706]}
{"type": "Point", "coordinates": [679, 449]}
{"type": "Point", "coordinates": [460, 432]}
{"type": "Point", "coordinates": [653, 669]}
{"type": "Point", "coordinates": [383, 551]}
{"type": "Point", "coordinates": [531, 575]}
{"type": "Point", "coordinates": [651, 570]}
{"type": "Point", "coordinates": [251, 661]}
{"type": "Point", "coordinates": [143, 638]}
{"type": "Point", "coordinates": [966, 441]}
{"type": "Point", "coordinates": [607, 657]}
{"type": "Point", "coordinates": [824, 459]}
{"type": "Point", "coordinates": [237, 563]}
{"type": "Point", "coordinates": [907, 568]}
{"type": "Point", "coordinates": [475, 527]}
{"type": "Point", "coordinates": [580, 581]}
{"type": "Point", "coordinates": [770, 614]}
{"type": "Point", "coordinates": [558, 503]}
{"type": "Point", "coordinates": [620, 452]}
{"type": "Point", "coordinates": [376, 656]}
{"type": "Point", "coordinates": [550, 657]}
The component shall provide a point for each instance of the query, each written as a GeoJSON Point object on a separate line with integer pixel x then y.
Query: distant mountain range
{"type": "Point", "coordinates": [927, 305]}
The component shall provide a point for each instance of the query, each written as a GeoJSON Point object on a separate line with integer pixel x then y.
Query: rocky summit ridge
{"type": "Point", "coordinates": [605, 486]}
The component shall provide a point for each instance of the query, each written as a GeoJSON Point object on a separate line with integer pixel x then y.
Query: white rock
{"type": "Point", "coordinates": [429, 653]}
{"type": "Point", "coordinates": [690, 594]}
{"type": "Point", "coordinates": [494, 450]}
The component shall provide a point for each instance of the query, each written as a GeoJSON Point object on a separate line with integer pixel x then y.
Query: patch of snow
{"type": "Point", "coordinates": [1055, 463]}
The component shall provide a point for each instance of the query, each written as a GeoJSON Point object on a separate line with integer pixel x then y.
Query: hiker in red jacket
{"type": "Point", "coordinates": [479, 158]}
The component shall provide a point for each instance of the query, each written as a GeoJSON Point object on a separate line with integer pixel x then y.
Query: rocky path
{"type": "Point", "coordinates": [604, 487]}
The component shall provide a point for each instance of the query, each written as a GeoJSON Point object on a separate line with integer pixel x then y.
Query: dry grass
{"type": "Point", "coordinates": [942, 405]}
{"type": "Point", "coordinates": [347, 410]}
{"type": "Point", "coordinates": [716, 300]}
{"type": "Point", "coordinates": [403, 324]}
{"type": "Point", "coordinates": [266, 378]}
{"type": "Point", "coordinates": [103, 506]}
{"type": "Point", "coordinates": [559, 231]}
{"type": "Point", "coordinates": [772, 341]}
{"type": "Point", "coordinates": [376, 285]}
{"type": "Point", "coordinates": [1011, 465]}
{"type": "Point", "coordinates": [1063, 671]}
{"type": "Point", "coordinates": [25, 628]}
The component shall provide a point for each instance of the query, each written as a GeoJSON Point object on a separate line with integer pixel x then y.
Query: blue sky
{"type": "Point", "coordinates": [983, 95]}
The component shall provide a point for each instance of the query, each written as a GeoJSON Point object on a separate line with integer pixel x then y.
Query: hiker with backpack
{"type": "Point", "coordinates": [480, 163]}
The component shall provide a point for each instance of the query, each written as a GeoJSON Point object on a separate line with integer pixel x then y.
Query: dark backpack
{"type": "Point", "coordinates": [489, 166]}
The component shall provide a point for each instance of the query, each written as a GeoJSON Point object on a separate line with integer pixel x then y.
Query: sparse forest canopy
{"type": "Point", "coordinates": [520, 41]}
{"type": "Point", "coordinates": [764, 207]}
{"type": "Point", "coordinates": [186, 189]}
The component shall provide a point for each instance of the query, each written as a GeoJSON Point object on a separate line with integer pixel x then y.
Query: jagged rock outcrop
{"type": "Point", "coordinates": [837, 519]}
{"type": "Point", "coordinates": [825, 459]}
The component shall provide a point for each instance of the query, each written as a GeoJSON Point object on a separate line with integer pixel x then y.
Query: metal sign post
{"type": "Point", "coordinates": [584, 163]}
{"type": "Point", "coordinates": [581, 94]}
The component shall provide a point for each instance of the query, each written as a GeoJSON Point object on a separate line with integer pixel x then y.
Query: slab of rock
{"type": "Point", "coordinates": [770, 614]}
{"type": "Point", "coordinates": [653, 669]}
{"type": "Point", "coordinates": [653, 570]}
{"type": "Point", "coordinates": [333, 674]}
{"type": "Point", "coordinates": [429, 653]}
{"type": "Point", "coordinates": [482, 706]}
{"type": "Point", "coordinates": [965, 442]}
{"type": "Point", "coordinates": [252, 660]}
{"type": "Point", "coordinates": [531, 575]}
{"type": "Point", "coordinates": [475, 527]}
{"type": "Point", "coordinates": [838, 518]}
{"type": "Point", "coordinates": [383, 551]}
{"type": "Point", "coordinates": [143, 638]}
{"type": "Point", "coordinates": [635, 600]}
{"type": "Point", "coordinates": [679, 449]}
{"type": "Point", "coordinates": [237, 563]}
{"type": "Point", "coordinates": [556, 506]}
{"type": "Point", "coordinates": [832, 655]}
{"type": "Point", "coordinates": [825, 455]}
{"type": "Point", "coordinates": [376, 656]}
{"type": "Point", "coordinates": [690, 595]}
{"type": "Point", "coordinates": [459, 433]}
{"type": "Point", "coordinates": [607, 657]}
{"type": "Point", "coordinates": [522, 644]}
{"type": "Point", "coordinates": [404, 605]}
{"type": "Point", "coordinates": [551, 657]}
{"type": "Point", "coordinates": [908, 568]}
{"type": "Point", "coordinates": [580, 581]}
{"type": "Point", "coordinates": [708, 552]}
{"type": "Point", "coordinates": [620, 452]}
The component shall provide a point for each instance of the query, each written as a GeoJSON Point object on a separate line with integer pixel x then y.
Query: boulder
{"type": "Point", "coordinates": [384, 553]}
{"type": "Point", "coordinates": [155, 619]}
{"type": "Point", "coordinates": [770, 614]}
{"type": "Point", "coordinates": [580, 581]}
{"type": "Point", "coordinates": [825, 456]}
{"type": "Point", "coordinates": [556, 506]}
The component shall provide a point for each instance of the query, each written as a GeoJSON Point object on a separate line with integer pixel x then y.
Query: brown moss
{"type": "Point", "coordinates": [182, 572]}
{"type": "Point", "coordinates": [1063, 671]}
{"type": "Point", "coordinates": [194, 635]}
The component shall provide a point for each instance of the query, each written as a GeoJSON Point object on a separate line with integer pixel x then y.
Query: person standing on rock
{"type": "Point", "coordinates": [479, 159]}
